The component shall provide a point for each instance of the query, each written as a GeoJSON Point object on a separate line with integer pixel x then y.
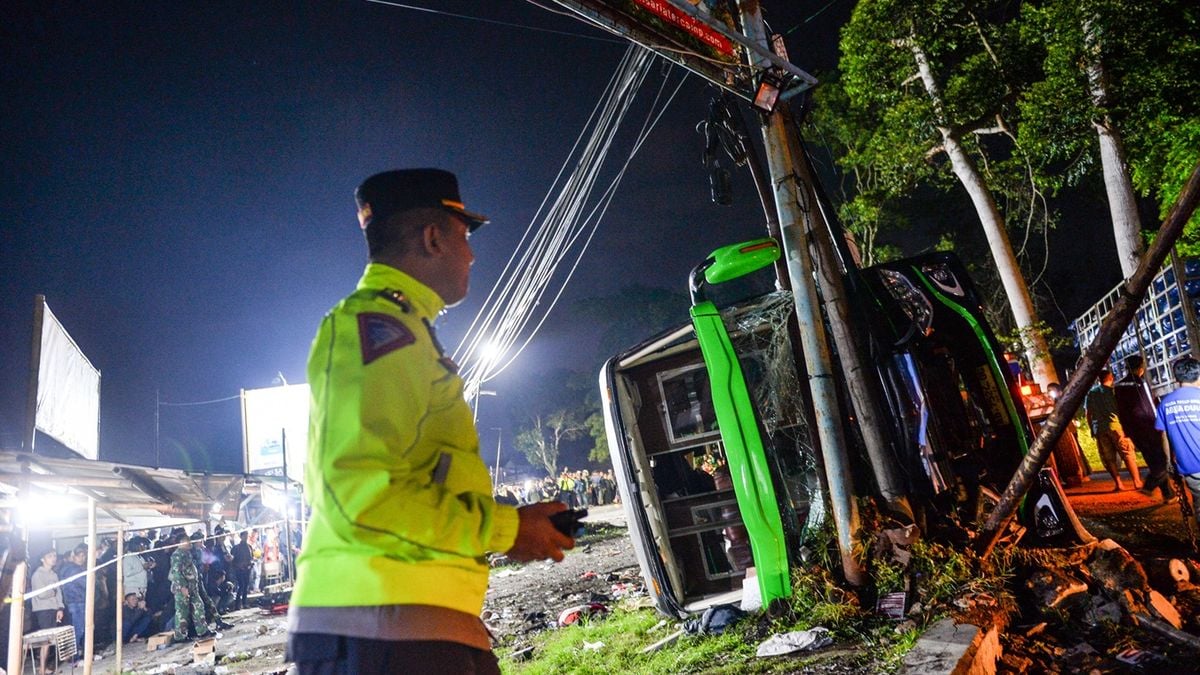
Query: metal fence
{"type": "Point", "coordinates": [1162, 330]}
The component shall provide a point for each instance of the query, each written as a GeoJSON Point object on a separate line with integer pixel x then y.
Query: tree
{"type": "Point", "coordinates": [931, 88]}
{"type": "Point", "coordinates": [541, 441]}
{"type": "Point", "coordinates": [1112, 70]}
{"type": "Point", "coordinates": [595, 428]}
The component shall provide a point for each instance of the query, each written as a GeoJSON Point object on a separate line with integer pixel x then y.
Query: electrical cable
{"type": "Point", "coordinates": [495, 22]}
{"type": "Point", "coordinates": [188, 403]}
{"type": "Point", "coordinates": [562, 230]}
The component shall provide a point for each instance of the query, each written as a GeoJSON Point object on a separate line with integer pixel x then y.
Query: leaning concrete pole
{"type": "Point", "coordinates": [796, 228]}
{"type": "Point", "coordinates": [1092, 361]}
{"type": "Point", "coordinates": [854, 367]}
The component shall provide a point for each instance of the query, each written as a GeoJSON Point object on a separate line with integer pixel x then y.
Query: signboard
{"type": "Point", "coordinates": [691, 41]}
{"type": "Point", "coordinates": [67, 387]}
{"type": "Point", "coordinates": [270, 417]}
{"type": "Point", "coordinates": [704, 37]}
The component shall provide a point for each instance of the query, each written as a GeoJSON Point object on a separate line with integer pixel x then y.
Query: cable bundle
{"type": "Point", "coordinates": [560, 232]}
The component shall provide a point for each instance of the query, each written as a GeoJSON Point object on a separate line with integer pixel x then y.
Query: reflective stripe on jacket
{"type": "Point", "coordinates": [402, 507]}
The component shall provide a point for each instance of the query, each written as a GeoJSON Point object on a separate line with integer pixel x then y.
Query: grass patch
{"type": "Point", "coordinates": [938, 576]}
{"type": "Point", "coordinates": [1087, 445]}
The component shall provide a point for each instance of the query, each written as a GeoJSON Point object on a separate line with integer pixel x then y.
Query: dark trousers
{"type": "Point", "coordinates": [77, 612]}
{"type": "Point", "coordinates": [139, 627]}
{"type": "Point", "coordinates": [1149, 442]}
{"type": "Point", "coordinates": [242, 579]}
{"type": "Point", "coordinates": [319, 654]}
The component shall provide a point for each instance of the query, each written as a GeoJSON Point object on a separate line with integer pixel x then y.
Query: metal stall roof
{"type": "Point", "coordinates": [127, 497]}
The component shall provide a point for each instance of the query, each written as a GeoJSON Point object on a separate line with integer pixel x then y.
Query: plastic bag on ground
{"type": "Point", "coordinates": [801, 640]}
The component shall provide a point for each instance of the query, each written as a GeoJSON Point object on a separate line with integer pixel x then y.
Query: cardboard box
{"type": "Point", "coordinates": [204, 652]}
{"type": "Point", "coordinates": [159, 641]}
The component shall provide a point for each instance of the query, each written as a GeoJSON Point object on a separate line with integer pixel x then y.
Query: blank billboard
{"type": "Point", "coordinates": [68, 390]}
{"type": "Point", "coordinates": [268, 416]}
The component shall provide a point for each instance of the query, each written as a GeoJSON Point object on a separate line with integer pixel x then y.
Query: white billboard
{"type": "Point", "coordinates": [269, 416]}
{"type": "Point", "coordinates": [68, 389]}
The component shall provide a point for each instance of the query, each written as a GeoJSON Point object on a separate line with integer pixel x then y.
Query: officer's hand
{"type": "Point", "coordinates": [186, 594]}
{"type": "Point", "coordinates": [537, 538]}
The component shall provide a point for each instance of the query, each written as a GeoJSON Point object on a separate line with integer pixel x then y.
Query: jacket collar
{"type": "Point", "coordinates": [427, 303]}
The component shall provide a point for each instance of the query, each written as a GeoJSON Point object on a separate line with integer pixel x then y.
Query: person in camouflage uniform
{"type": "Point", "coordinates": [198, 552]}
{"type": "Point", "coordinates": [185, 584]}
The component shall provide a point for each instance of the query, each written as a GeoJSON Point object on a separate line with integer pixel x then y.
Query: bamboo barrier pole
{"type": "Point", "coordinates": [16, 620]}
{"type": "Point", "coordinates": [89, 629]}
{"type": "Point", "coordinates": [120, 597]}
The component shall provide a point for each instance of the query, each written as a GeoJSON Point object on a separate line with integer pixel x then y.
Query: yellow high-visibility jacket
{"type": "Point", "coordinates": [402, 507]}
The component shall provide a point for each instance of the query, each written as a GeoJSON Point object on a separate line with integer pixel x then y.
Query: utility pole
{"type": "Point", "coordinates": [496, 478]}
{"type": "Point", "coordinates": [796, 229]}
{"type": "Point", "coordinates": [831, 278]}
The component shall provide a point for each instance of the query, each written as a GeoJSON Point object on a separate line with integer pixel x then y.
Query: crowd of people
{"type": "Point", "coordinates": [166, 575]}
{"type": "Point", "coordinates": [577, 489]}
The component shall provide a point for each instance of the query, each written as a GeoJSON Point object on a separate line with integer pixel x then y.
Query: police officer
{"type": "Point", "coordinates": [393, 573]}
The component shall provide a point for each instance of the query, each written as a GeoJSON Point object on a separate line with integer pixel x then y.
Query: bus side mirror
{"type": "Point", "coordinates": [738, 260]}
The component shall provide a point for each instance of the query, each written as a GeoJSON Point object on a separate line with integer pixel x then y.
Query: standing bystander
{"type": "Point", "coordinates": [1136, 407]}
{"type": "Point", "coordinates": [243, 560]}
{"type": "Point", "coordinates": [1114, 446]}
{"type": "Point", "coordinates": [75, 591]}
{"type": "Point", "coordinates": [1179, 417]}
{"type": "Point", "coordinates": [48, 606]}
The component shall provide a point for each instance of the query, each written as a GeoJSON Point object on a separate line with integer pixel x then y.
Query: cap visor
{"type": "Point", "coordinates": [474, 220]}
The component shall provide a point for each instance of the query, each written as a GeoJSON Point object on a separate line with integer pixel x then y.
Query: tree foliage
{"type": "Point", "coordinates": [929, 90]}
{"type": "Point", "coordinates": [541, 441]}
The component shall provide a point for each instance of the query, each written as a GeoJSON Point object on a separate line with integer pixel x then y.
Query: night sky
{"type": "Point", "coordinates": [177, 178]}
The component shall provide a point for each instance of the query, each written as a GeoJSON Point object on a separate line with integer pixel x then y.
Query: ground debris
{"type": "Point", "coordinates": [1054, 587]}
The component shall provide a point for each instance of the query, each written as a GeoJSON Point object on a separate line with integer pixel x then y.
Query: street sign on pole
{"type": "Point", "coordinates": [705, 38]}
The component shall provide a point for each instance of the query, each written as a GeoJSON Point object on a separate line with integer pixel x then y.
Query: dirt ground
{"type": "Point", "coordinates": [603, 568]}
{"type": "Point", "coordinates": [519, 599]}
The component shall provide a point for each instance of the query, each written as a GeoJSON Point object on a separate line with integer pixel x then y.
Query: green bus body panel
{"type": "Point", "coordinates": [744, 449]}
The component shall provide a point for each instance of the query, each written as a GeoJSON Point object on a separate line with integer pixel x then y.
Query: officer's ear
{"type": "Point", "coordinates": [433, 238]}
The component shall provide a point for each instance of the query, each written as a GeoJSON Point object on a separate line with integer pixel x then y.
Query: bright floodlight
{"type": "Point", "coordinates": [490, 354]}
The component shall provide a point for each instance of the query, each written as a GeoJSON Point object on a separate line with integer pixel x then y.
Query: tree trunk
{"type": "Point", "coordinates": [1036, 350]}
{"type": "Point", "coordinates": [1122, 204]}
{"type": "Point", "coordinates": [1094, 358]}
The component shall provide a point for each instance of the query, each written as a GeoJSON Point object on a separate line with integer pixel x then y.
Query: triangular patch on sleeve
{"type": "Point", "coordinates": [380, 334]}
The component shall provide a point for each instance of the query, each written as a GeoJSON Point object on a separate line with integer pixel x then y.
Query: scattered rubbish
{"type": "Point", "coordinates": [572, 615]}
{"type": "Point", "coordinates": [507, 572]}
{"type": "Point", "coordinates": [1052, 587]}
{"type": "Point", "coordinates": [801, 640]}
{"type": "Point", "coordinates": [620, 590]}
{"type": "Point", "coordinates": [894, 543]}
{"type": "Point", "coordinates": [587, 575]}
{"type": "Point", "coordinates": [751, 595]}
{"type": "Point", "coordinates": [1134, 656]}
{"type": "Point", "coordinates": [1101, 610]}
{"type": "Point", "coordinates": [1016, 663]}
{"type": "Point", "coordinates": [657, 626]}
{"type": "Point", "coordinates": [1163, 609]}
{"type": "Point", "coordinates": [663, 642]}
{"type": "Point", "coordinates": [592, 646]}
{"type": "Point", "coordinates": [892, 605]}
{"type": "Point", "coordinates": [715, 620]}
{"type": "Point", "coordinates": [523, 654]}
